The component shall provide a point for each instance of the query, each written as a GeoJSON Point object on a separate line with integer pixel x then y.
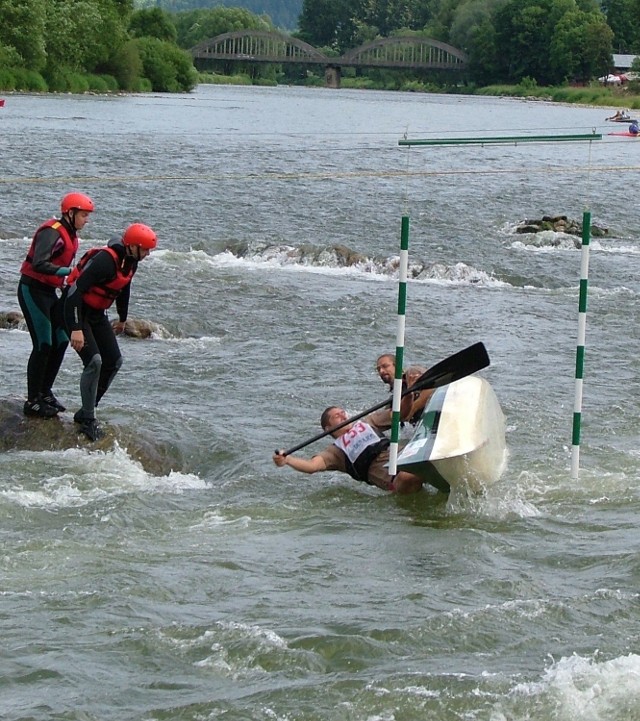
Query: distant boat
{"type": "Point", "coordinates": [1, 102]}
{"type": "Point", "coordinates": [620, 118]}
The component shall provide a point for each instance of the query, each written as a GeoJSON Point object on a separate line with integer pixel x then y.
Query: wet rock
{"type": "Point", "coordinates": [21, 433]}
{"type": "Point", "coordinates": [347, 257]}
{"type": "Point", "coordinates": [134, 327]}
{"type": "Point", "coordinates": [559, 224]}
{"type": "Point", "coordinates": [139, 328]}
{"type": "Point", "coordinates": [339, 256]}
{"type": "Point", "coordinates": [11, 320]}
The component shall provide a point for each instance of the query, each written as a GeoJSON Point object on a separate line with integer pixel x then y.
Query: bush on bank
{"type": "Point", "coordinates": [166, 69]}
{"type": "Point", "coordinates": [143, 64]}
{"type": "Point", "coordinates": [62, 81]}
{"type": "Point", "coordinates": [218, 79]}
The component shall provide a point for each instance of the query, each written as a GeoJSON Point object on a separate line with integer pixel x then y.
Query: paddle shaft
{"type": "Point", "coordinates": [353, 419]}
{"type": "Point", "coordinates": [459, 365]}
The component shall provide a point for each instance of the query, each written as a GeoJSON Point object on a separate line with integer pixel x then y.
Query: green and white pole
{"type": "Point", "coordinates": [586, 232]}
{"type": "Point", "coordinates": [582, 332]}
{"type": "Point", "coordinates": [397, 383]}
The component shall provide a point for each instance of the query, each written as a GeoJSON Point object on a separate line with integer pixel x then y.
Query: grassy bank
{"type": "Point", "coordinates": [595, 94]}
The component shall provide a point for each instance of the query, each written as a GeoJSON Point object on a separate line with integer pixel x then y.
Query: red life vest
{"type": "Point", "coordinates": [102, 296]}
{"type": "Point", "coordinates": [63, 254]}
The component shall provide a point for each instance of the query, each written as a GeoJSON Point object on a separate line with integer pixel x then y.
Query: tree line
{"type": "Point", "coordinates": [546, 41]}
{"type": "Point", "coordinates": [282, 13]}
{"type": "Point", "coordinates": [109, 45]}
{"type": "Point", "coordinates": [89, 45]}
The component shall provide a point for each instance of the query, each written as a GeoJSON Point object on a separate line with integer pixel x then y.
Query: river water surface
{"type": "Point", "coordinates": [229, 589]}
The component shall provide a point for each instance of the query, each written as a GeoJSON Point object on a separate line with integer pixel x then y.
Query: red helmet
{"type": "Point", "coordinates": [140, 234]}
{"type": "Point", "coordinates": [76, 201]}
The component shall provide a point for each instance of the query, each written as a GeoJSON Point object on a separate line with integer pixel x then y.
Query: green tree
{"type": "Point", "coordinates": [634, 83]}
{"type": "Point", "coordinates": [580, 48]}
{"type": "Point", "coordinates": [391, 15]}
{"type": "Point", "coordinates": [22, 32]}
{"type": "Point", "coordinates": [443, 13]}
{"type": "Point", "coordinates": [9, 57]}
{"type": "Point", "coordinates": [278, 13]}
{"type": "Point", "coordinates": [85, 34]}
{"type": "Point", "coordinates": [168, 68]}
{"type": "Point", "coordinates": [468, 17]}
{"type": "Point", "coordinates": [332, 23]}
{"type": "Point", "coordinates": [126, 66]}
{"type": "Point", "coordinates": [197, 25]}
{"type": "Point", "coordinates": [153, 23]}
{"type": "Point", "coordinates": [524, 29]}
{"type": "Point", "coordinates": [482, 49]}
{"type": "Point", "coordinates": [626, 34]}
{"type": "Point", "coordinates": [549, 41]}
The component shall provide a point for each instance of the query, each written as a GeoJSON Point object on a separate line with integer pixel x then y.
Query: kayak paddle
{"type": "Point", "coordinates": [457, 366]}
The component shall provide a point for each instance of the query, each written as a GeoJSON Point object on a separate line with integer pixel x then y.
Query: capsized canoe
{"type": "Point", "coordinates": [460, 438]}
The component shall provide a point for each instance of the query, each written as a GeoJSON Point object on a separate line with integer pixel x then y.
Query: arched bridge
{"type": "Point", "coordinates": [260, 46]}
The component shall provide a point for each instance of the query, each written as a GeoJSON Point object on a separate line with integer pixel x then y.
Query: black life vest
{"type": "Point", "coordinates": [361, 445]}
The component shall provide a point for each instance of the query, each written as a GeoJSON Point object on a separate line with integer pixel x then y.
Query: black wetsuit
{"type": "Point", "coordinates": [39, 304]}
{"type": "Point", "coordinates": [100, 354]}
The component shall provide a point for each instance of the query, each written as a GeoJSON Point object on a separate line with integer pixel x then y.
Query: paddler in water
{"type": "Point", "coordinates": [634, 129]}
{"type": "Point", "coordinates": [620, 115]}
{"type": "Point", "coordinates": [386, 369]}
{"type": "Point", "coordinates": [102, 276]}
{"type": "Point", "coordinates": [359, 449]}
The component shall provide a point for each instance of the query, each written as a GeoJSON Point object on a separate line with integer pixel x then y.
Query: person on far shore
{"type": "Point", "coordinates": [48, 262]}
{"type": "Point", "coordinates": [102, 276]}
{"type": "Point", "coordinates": [360, 449]}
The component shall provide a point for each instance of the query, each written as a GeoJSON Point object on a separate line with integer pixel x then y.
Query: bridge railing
{"type": "Point", "coordinates": [271, 47]}
{"type": "Point", "coordinates": [405, 52]}
{"type": "Point", "coordinates": [258, 46]}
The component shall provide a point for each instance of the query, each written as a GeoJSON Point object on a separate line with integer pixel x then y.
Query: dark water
{"type": "Point", "coordinates": [228, 589]}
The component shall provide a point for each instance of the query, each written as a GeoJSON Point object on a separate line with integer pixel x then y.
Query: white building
{"type": "Point", "coordinates": [623, 63]}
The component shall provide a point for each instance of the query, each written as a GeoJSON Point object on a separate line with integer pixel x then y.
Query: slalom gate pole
{"type": "Point", "coordinates": [515, 139]}
{"type": "Point", "coordinates": [397, 383]}
{"type": "Point", "coordinates": [582, 332]}
{"type": "Point", "coordinates": [584, 270]}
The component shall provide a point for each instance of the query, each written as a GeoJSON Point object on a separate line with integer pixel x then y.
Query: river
{"type": "Point", "coordinates": [229, 589]}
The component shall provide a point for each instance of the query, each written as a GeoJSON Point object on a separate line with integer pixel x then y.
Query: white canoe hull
{"type": "Point", "coordinates": [460, 438]}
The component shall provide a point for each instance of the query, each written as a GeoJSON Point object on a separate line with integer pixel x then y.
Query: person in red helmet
{"type": "Point", "coordinates": [102, 276]}
{"type": "Point", "coordinates": [49, 259]}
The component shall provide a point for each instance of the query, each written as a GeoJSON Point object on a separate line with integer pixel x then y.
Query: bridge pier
{"type": "Point", "coordinates": [332, 76]}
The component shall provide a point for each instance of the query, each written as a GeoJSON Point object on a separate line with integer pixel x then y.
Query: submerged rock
{"type": "Point", "coordinates": [21, 433]}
